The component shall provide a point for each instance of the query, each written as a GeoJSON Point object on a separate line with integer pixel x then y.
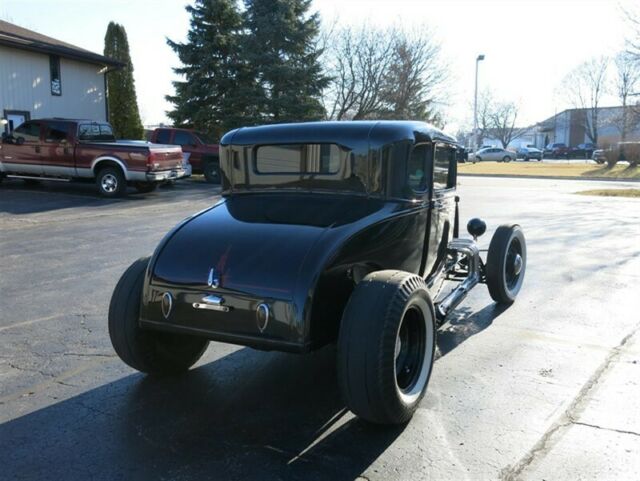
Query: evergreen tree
{"type": "Point", "coordinates": [123, 106]}
{"type": "Point", "coordinates": [211, 97]}
{"type": "Point", "coordinates": [280, 51]}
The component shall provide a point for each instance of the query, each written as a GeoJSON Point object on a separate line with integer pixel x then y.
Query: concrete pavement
{"type": "Point", "coordinates": [546, 389]}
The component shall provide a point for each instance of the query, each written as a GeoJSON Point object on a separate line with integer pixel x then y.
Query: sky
{"type": "Point", "coordinates": [530, 45]}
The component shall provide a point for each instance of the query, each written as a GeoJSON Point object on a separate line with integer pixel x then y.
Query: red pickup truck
{"type": "Point", "coordinates": [199, 149]}
{"type": "Point", "coordinates": [63, 149]}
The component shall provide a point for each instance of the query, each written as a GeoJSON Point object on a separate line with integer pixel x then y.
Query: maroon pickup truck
{"type": "Point", "coordinates": [62, 149]}
{"type": "Point", "coordinates": [199, 149]}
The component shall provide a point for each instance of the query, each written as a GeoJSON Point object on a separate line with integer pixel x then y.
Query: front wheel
{"type": "Point", "coordinates": [506, 263]}
{"type": "Point", "coordinates": [386, 346]}
{"type": "Point", "coordinates": [152, 352]}
{"type": "Point", "coordinates": [478, 159]}
{"type": "Point", "coordinates": [211, 171]}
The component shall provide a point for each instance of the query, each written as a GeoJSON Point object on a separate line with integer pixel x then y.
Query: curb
{"type": "Point", "coordinates": [550, 177]}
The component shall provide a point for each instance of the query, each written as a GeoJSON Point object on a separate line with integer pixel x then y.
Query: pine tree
{"type": "Point", "coordinates": [211, 96]}
{"type": "Point", "coordinates": [123, 106]}
{"type": "Point", "coordinates": [280, 49]}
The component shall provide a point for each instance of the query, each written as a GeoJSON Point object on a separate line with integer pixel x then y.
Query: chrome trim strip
{"type": "Point", "coordinates": [210, 307]}
{"type": "Point", "coordinates": [212, 303]}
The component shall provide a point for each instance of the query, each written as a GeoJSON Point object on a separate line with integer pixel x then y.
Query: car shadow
{"type": "Point", "coordinates": [249, 415]}
{"type": "Point", "coordinates": [19, 197]}
{"type": "Point", "coordinates": [464, 323]}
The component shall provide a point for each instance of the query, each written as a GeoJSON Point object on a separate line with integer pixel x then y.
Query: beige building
{"type": "Point", "coordinates": [44, 77]}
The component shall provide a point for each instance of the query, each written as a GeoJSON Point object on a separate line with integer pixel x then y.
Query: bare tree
{"type": "Point", "coordinates": [415, 79]}
{"type": "Point", "coordinates": [633, 42]}
{"type": "Point", "coordinates": [357, 63]}
{"type": "Point", "coordinates": [485, 104]}
{"type": "Point", "coordinates": [585, 86]}
{"type": "Point", "coordinates": [626, 82]}
{"type": "Point", "coordinates": [503, 117]}
{"type": "Point", "coordinates": [384, 74]}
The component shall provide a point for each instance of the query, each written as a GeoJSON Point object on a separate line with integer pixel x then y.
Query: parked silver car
{"type": "Point", "coordinates": [528, 153]}
{"type": "Point", "coordinates": [494, 153]}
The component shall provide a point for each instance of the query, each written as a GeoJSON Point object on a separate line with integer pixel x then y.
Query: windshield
{"type": "Point", "coordinates": [96, 132]}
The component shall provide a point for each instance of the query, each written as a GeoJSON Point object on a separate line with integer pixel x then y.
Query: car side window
{"type": "Point", "coordinates": [442, 161]}
{"type": "Point", "coordinates": [56, 132]}
{"type": "Point", "coordinates": [183, 138]}
{"type": "Point", "coordinates": [163, 136]}
{"type": "Point", "coordinates": [30, 131]}
{"type": "Point", "coordinates": [416, 169]}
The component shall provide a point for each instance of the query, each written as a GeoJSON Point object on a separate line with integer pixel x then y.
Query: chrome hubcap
{"type": "Point", "coordinates": [517, 264]}
{"type": "Point", "coordinates": [109, 183]}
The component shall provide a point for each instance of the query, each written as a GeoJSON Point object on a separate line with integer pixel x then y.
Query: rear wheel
{"type": "Point", "coordinates": [152, 352]}
{"type": "Point", "coordinates": [478, 159]}
{"type": "Point", "coordinates": [386, 346]}
{"type": "Point", "coordinates": [211, 170]}
{"type": "Point", "coordinates": [111, 182]}
{"type": "Point", "coordinates": [506, 158]}
{"type": "Point", "coordinates": [506, 263]}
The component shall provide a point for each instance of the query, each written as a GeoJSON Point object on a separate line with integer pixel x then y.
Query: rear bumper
{"type": "Point", "coordinates": [163, 175]}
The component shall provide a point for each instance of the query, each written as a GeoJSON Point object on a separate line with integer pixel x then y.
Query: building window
{"type": "Point", "coordinates": [54, 69]}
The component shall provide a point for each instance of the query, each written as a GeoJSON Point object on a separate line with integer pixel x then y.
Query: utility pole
{"type": "Point", "coordinates": [475, 106]}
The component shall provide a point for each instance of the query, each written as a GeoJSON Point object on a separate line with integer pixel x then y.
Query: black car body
{"type": "Point", "coordinates": [296, 242]}
{"type": "Point", "coordinates": [325, 231]}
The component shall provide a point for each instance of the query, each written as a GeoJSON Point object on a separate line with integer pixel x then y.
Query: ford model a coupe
{"type": "Point", "coordinates": [328, 231]}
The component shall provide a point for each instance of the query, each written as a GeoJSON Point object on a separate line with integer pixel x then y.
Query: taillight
{"type": "Point", "coordinates": [151, 161]}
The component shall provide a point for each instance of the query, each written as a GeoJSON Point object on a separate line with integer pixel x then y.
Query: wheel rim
{"type": "Point", "coordinates": [109, 183]}
{"type": "Point", "coordinates": [413, 354]}
{"type": "Point", "coordinates": [213, 171]}
{"type": "Point", "coordinates": [514, 264]}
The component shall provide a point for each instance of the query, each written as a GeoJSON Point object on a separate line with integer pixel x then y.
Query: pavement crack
{"type": "Point", "coordinates": [621, 431]}
{"type": "Point", "coordinates": [513, 472]}
{"type": "Point", "coordinates": [30, 369]}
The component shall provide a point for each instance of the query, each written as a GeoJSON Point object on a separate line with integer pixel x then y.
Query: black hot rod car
{"type": "Point", "coordinates": [325, 231]}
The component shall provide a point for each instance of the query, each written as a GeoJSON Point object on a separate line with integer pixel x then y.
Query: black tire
{"type": "Point", "coordinates": [506, 158]}
{"type": "Point", "coordinates": [383, 379]}
{"type": "Point", "coordinates": [111, 182]}
{"type": "Point", "coordinates": [478, 159]}
{"type": "Point", "coordinates": [526, 159]}
{"type": "Point", "coordinates": [152, 352]}
{"type": "Point", "coordinates": [211, 170]}
{"type": "Point", "coordinates": [145, 187]}
{"type": "Point", "coordinates": [506, 263]}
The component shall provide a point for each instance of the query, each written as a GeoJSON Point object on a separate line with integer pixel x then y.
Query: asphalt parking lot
{"type": "Point", "coordinates": [546, 389]}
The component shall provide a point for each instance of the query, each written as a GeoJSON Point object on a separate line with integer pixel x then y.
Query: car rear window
{"type": "Point", "coordinates": [300, 159]}
{"type": "Point", "coordinates": [96, 132]}
{"type": "Point", "coordinates": [163, 136]}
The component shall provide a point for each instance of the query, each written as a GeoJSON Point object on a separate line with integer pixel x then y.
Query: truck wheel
{"type": "Point", "coordinates": [386, 346]}
{"type": "Point", "coordinates": [145, 187]}
{"type": "Point", "coordinates": [506, 263]}
{"type": "Point", "coordinates": [152, 352]}
{"type": "Point", "coordinates": [111, 182]}
{"type": "Point", "coordinates": [211, 171]}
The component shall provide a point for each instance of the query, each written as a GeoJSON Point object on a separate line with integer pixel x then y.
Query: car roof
{"type": "Point", "coordinates": [346, 133]}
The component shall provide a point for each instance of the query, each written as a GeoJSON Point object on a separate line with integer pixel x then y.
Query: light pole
{"type": "Point", "coordinates": [475, 106]}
